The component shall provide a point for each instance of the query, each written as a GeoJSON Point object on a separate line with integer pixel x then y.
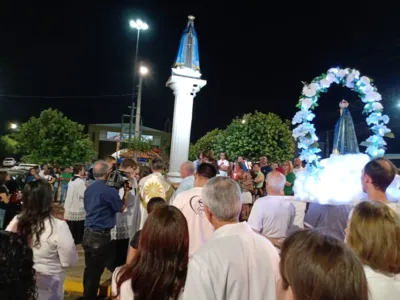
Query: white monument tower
{"type": "Point", "coordinates": [185, 82]}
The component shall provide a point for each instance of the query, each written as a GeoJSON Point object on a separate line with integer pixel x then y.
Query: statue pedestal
{"type": "Point", "coordinates": [185, 89]}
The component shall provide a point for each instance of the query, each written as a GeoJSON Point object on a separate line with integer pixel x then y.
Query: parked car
{"type": "Point", "coordinates": [26, 167]}
{"type": "Point", "coordinates": [9, 162]}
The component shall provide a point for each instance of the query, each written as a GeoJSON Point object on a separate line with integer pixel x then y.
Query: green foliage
{"type": "Point", "coordinates": [207, 142]}
{"type": "Point", "coordinates": [10, 144]}
{"type": "Point", "coordinates": [138, 145]}
{"type": "Point", "coordinates": [254, 135]}
{"type": "Point", "coordinates": [51, 138]}
{"type": "Point", "coordinates": [192, 152]}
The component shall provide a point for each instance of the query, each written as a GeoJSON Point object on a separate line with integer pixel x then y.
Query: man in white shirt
{"type": "Point", "coordinates": [187, 170]}
{"type": "Point", "coordinates": [298, 165]}
{"type": "Point", "coordinates": [223, 165]}
{"type": "Point", "coordinates": [273, 215]}
{"type": "Point", "coordinates": [191, 205]}
{"type": "Point", "coordinates": [236, 263]}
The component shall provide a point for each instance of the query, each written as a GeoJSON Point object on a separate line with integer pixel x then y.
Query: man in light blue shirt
{"type": "Point", "coordinates": [187, 170]}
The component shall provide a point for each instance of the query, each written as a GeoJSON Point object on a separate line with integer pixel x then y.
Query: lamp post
{"type": "Point", "coordinates": [13, 126]}
{"type": "Point", "coordinates": [138, 25]}
{"type": "Point", "coordinates": [143, 71]}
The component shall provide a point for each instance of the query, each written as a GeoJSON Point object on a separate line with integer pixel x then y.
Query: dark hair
{"type": "Point", "coordinates": [128, 162]}
{"type": "Point", "coordinates": [17, 275]}
{"type": "Point", "coordinates": [159, 269]}
{"type": "Point", "coordinates": [37, 198]}
{"type": "Point", "coordinates": [207, 170]}
{"type": "Point", "coordinates": [318, 266]}
{"type": "Point", "coordinates": [209, 156]}
{"type": "Point", "coordinates": [77, 168]}
{"type": "Point", "coordinates": [155, 202]}
{"type": "Point", "coordinates": [382, 173]}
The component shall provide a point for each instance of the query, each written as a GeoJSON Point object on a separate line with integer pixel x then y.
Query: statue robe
{"type": "Point", "coordinates": [345, 139]}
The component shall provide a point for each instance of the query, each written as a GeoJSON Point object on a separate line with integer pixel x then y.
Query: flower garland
{"type": "Point", "coordinates": [304, 133]}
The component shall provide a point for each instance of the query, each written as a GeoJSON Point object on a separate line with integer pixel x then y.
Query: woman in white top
{"type": "Point", "coordinates": [74, 209]}
{"type": "Point", "coordinates": [158, 271]}
{"type": "Point", "coordinates": [51, 241]}
{"type": "Point", "coordinates": [374, 235]}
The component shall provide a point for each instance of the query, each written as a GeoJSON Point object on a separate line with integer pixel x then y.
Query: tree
{"type": "Point", "coordinates": [51, 138]}
{"type": "Point", "coordinates": [138, 145]}
{"type": "Point", "coordinates": [255, 135]}
{"type": "Point", "coordinates": [207, 142]}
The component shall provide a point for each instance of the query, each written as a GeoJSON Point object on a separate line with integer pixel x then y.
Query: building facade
{"type": "Point", "coordinates": [105, 136]}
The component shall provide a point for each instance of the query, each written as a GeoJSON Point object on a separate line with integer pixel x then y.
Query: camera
{"type": "Point", "coordinates": [117, 179]}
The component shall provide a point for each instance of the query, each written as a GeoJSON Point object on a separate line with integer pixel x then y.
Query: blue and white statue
{"type": "Point", "coordinates": [187, 61]}
{"type": "Point", "coordinates": [345, 139]}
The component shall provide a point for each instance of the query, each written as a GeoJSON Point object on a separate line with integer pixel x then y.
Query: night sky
{"type": "Point", "coordinates": [253, 56]}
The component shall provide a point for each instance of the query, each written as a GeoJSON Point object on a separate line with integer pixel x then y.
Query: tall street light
{"type": "Point", "coordinates": [142, 72]}
{"type": "Point", "coordinates": [138, 25]}
{"type": "Point", "coordinates": [13, 126]}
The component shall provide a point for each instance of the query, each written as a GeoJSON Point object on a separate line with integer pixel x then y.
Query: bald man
{"type": "Point", "coordinates": [187, 174]}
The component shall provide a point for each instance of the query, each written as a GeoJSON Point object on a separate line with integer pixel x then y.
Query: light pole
{"type": "Point", "coordinates": [142, 72]}
{"type": "Point", "coordinates": [13, 126]}
{"type": "Point", "coordinates": [138, 25]}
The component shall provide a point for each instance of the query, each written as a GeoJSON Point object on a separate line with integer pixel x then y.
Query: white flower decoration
{"type": "Point", "coordinates": [331, 77]}
{"type": "Point", "coordinates": [306, 103]}
{"type": "Point", "coordinates": [365, 80]}
{"type": "Point", "coordinates": [367, 89]}
{"type": "Point", "coordinates": [311, 90]}
{"type": "Point", "coordinates": [373, 96]}
{"type": "Point", "coordinates": [350, 80]}
{"type": "Point", "coordinates": [341, 73]}
{"type": "Point", "coordinates": [377, 106]}
{"type": "Point", "coordinates": [325, 83]}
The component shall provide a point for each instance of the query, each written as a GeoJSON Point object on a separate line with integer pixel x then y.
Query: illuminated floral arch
{"type": "Point", "coordinates": [304, 133]}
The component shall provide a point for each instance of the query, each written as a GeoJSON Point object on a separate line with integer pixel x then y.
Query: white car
{"type": "Point", "coordinates": [26, 167]}
{"type": "Point", "coordinates": [9, 162]}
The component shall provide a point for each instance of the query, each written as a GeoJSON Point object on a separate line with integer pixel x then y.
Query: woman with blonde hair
{"type": "Point", "coordinates": [374, 235]}
{"type": "Point", "coordinates": [290, 177]}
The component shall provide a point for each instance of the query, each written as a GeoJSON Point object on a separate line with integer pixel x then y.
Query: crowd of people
{"type": "Point", "coordinates": [229, 231]}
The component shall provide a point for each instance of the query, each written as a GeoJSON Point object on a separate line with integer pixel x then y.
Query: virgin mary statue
{"type": "Point", "coordinates": [345, 139]}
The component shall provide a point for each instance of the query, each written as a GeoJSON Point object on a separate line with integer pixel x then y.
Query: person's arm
{"type": "Point", "coordinates": [133, 246]}
{"type": "Point", "coordinates": [115, 200]}
{"type": "Point", "coordinates": [114, 284]}
{"type": "Point", "coordinates": [259, 178]}
{"type": "Point", "coordinates": [4, 198]}
{"type": "Point", "coordinates": [65, 245]}
{"type": "Point", "coordinates": [52, 180]}
{"type": "Point", "coordinates": [3, 195]}
{"type": "Point", "coordinates": [290, 178]}
{"type": "Point", "coordinates": [131, 255]}
{"type": "Point", "coordinates": [224, 166]}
